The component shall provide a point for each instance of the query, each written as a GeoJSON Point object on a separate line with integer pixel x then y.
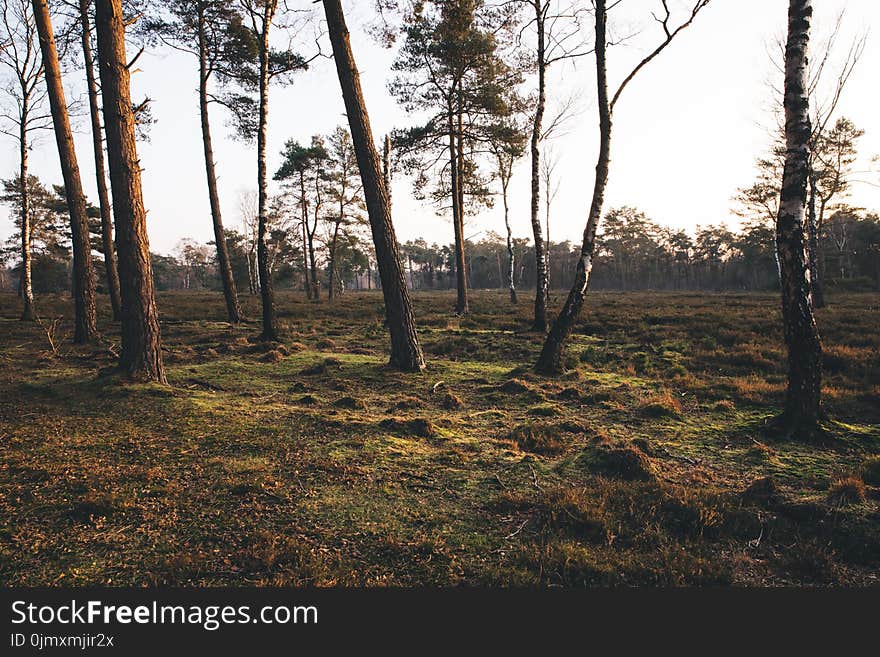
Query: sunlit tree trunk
{"type": "Point", "coordinates": [26, 287]}
{"type": "Point", "coordinates": [230, 294]}
{"type": "Point", "coordinates": [504, 170]}
{"type": "Point", "coordinates": [813, 245]}
{"type": "Point", "coordinates": [406, 352]}
{"type": "Point", "coordinates": [85, 322]}
{"type": "Point", "coordinates": [802, 409]}
{"type": "Point", "coordinates": [110, 267]}
{"type": "Point", "coordinates": [141, 356]}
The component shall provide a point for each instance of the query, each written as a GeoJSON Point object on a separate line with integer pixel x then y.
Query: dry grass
{"type": "Point", "coordinates": [310, 462]}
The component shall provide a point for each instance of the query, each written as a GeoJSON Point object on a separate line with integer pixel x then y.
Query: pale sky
{"type": "Point", "coordinates": [687, 130]}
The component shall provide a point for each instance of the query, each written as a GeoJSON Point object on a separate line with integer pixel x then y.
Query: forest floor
{"type": "Point", "coordinates": [311, 463]}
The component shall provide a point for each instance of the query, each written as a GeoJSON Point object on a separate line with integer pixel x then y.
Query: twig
{"type": "Point", "coordinates": [518, 530]}
{"type": "Point", "coordinates": [535, 478]}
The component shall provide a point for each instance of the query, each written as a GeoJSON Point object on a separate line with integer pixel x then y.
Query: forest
{"type": "Point", "coordinates": [307, 400]}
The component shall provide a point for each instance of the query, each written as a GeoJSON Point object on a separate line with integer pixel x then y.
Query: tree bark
{"type": "Point", "coordinates": [141, 357]}
{"type": "Point", "coordinates": [332, 264]}
{"type": "Point", "coordinates": [461, 304]}
{"type": "Point", "coordinates": [802, 401]}
{"type": "Point", "coordinates": [110, 266]}
{"type": "Point", "coordinates": [813, 246]}
{"type": "Point", "coordinates": [230, 294]}
{"type": "Point", "coordinates": [29, 313]}
{"type": "Point", "coordinates": [313, 261]}
{"type": "Point", "coordinates": [267, 291]}
{"type": "Point", "coordinates": [386, 167]}
{"type": "Point", "coordinates": [541, 276]}
{"type": "Point", "coordinates": [551, 359]}
{"type": "Point", "coordinates": [406, 352]}
{"type": "Point", "coordinates": [304, 212]}
{"type": "Point", "coordinates": [85, 321]}
{"type": "Point", "coordinates": [511, 258]}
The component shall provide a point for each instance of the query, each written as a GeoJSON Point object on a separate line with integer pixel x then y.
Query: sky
{"type": "Point", "coordinates": [687, 130]}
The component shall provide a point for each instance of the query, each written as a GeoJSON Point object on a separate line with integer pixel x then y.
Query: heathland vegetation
{"type": "Point", "coordinates": [307, 400]}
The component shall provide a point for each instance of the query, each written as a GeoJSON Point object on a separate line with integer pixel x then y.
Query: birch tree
{"type": "Point", "coordinates": [801, 414]}
{"type": "Point", "coordinates": [556, 29]}
{"type": "Point", "coordinates": [24, 112]}
{"type": "Point", "coordinates": [551, 359]}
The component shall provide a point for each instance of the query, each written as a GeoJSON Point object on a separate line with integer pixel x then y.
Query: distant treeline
{"type": "Point", "coordinates": [633, 253]}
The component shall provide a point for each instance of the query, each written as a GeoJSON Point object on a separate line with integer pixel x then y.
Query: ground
{"type": "Point", "coordinates": [310, 462]}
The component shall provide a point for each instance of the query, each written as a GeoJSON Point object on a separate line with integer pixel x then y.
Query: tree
{"type": "Point", "coordinates": [212, 31]}
{"type": "Point", "coordinates": [557, 38]}
{"type": "Point", "coordinates": [449, 64]}
{"type": "Point", "coordinates": [306, 166]}
{"type": "Point", "coordinates": [507, 149]}
{"type": "Point", "coordinates": [801, 414]}
{"type": "Point", "coordinates": [85, 322]}
{"type": "Point", "coordinates": [406, 352]}
{"type": "Point", "coordinates": [549, 167]}
{"type": "Point", "coordinates": [21, 55]}
{"type": "Point", "coordinates": [833, 155]}
{"type": "Point", "coordinates": [49, 233]}
{"type": "Point", "coordinates": [108, 249]}
{"type": "Point", "coordinates": [346, 201]}
{"type": "Point", "coordinates": [249, 214]}
{"type": "Point", "coordinates": [824, 100]}
{"type": "Point", "coordinates": [271, 64]}
{"type": "Point", "coordinates": [141, 357]}
{"type": "Point", "coordinates": [550, 360]}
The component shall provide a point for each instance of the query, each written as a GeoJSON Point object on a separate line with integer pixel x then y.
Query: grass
{"type": "Point", "coordinates": [310, 462]}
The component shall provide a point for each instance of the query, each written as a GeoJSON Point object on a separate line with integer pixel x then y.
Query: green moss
{"type": "Point", "coordinates": [246, 472]}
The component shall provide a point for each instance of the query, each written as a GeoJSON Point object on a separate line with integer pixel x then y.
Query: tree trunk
{"type": "Point", "coordinates": [110, 267]}
{"type": "Point", "coordinates": [331, 293]}
{"type": "Point", "coordinates": [813, 246]}
{"type": "Point", "coordinates": [386, 167]}
{"type": "Point", "coordinates": [542, 283]}
{"type": "Point", "coordinates": [313, 266]}
{"type": "Point", "coordinates": [304, 211]}
{"type": "Point", "coordinates": [551, 359]}
{"type": "Point", "coordinates": [253, 276]}
{"type": "Point", "coordinates": [465, 307]}
{"type": "Point", "coordinates": [406, 352]}
{"type": "Point", "coordinates": [820, 226]}
{"type": "Point", "coordinates": [313, 262]}
{"type": "Point", "coordinates": [267, 292]}
{"type": "Point", "coordinates": [26, 288]}
{"type": "Point", "coordinates": [511, 258]}
{"type": "Point", "coordinates": [802, 401]}
{"type": "Point", "coordinates": [461, 305]}
{"type": "Point", "coordinates": [141, 356]}
{"type": "Point", "coordinates": [85, 322]}
{"type": "Point", "coordinates": [233, 309]}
